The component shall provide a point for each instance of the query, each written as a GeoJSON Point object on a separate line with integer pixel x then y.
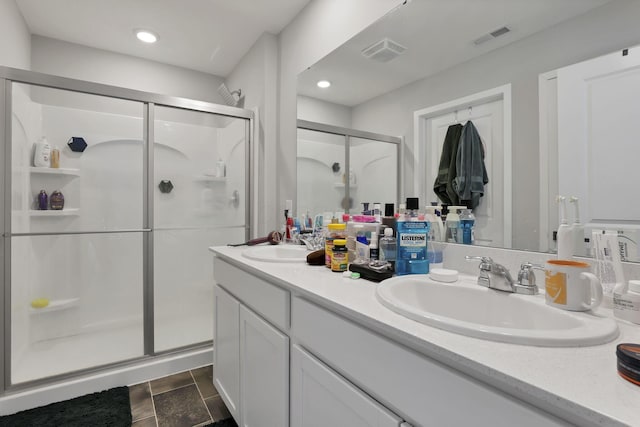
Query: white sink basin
{"type": "Point", "coordinates": [470, 309]}
{"type": "Point", "coordinates": [277, 253]}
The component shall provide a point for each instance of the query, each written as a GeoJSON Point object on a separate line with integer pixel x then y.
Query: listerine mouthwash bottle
{"type": "Point", "coordinates": [412, 241]}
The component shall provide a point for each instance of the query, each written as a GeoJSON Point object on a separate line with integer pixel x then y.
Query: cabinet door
{"type": "Point", "coordinates": [226, 349]}
{"type": "Point", "coordinates": [264, 368]}
{"type": "Point", "coordinates": [320, 398]}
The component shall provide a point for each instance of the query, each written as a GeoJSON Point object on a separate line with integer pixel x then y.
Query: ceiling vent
{"type": "Point", "coordinates": [383, 51]}
{"type": "Point", "coordinates": [492, 35]}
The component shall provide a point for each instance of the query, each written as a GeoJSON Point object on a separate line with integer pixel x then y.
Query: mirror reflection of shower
{"type": "Point", "coordinates": [338, 169]}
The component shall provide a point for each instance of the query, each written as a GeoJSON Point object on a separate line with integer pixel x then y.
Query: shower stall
{"type": "Point", "coordinates": [121, 273]}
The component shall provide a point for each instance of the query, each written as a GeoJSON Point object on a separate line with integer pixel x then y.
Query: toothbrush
{"type": "Point", "coordinates": [574, 200]}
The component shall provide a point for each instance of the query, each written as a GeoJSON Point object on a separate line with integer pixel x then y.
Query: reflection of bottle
{"type": "Point", "coordinates": [221, 169]}
{"type": "Point", "coordinates": [466, 224]}
{"type": "Point", "coordinates": [55, 158]}
{"type": "Point", "coordinates": [43, 200]}
{"type": "Point", "coordinates": [56, 201]}
{"type": "Point", "coordinates": [42, 153]}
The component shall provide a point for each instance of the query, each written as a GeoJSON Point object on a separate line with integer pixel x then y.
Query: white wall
{"type": "Point", "coordinates": [256, 74]}
{"type": "Point", "coordinates": [60, 58]}
{"type": "Point", "coordinates": [603, 30]}
{"type": "Point", "coordinates": [316, 110]}
{"type": "Point", "coordinates": [319, 28]}
{"type": "Point", "coordinates": [15, 39]}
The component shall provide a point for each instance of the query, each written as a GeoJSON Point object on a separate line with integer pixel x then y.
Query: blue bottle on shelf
{"type": "Point", "coordinates": [466, 224]}
{"type": "Point", "coordinates": [413, 235]}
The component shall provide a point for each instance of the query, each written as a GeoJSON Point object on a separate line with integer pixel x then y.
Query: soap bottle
{"type": "Point", "coordinates": [388, 247]}
{"type": "Point", "coordinates": [436, 231]}
{"type": "Point", "coordinates": [42, 153]}
{"type": "Point", "coordinates": [565, 232]}
{"type": "Point", "coordinates": [626, 301]}
{"type": "Point", "coordinates": [466, 224]}
{"type": "Point", "coordinates": [412, 238]}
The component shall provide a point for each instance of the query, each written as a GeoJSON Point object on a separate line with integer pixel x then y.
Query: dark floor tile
{"type": "Point", "coordinates": [217, 409]}
{"type": "Point", "coordinates": [204, 380]}
{"type": "Point", "coordinates": [171, 382]}
{"type": "Point", "coordinates": [145, 422]}
{"type": "Point", "coordinates": [181, 407]}
{"type": "Point", "coordinates": [141, 403]}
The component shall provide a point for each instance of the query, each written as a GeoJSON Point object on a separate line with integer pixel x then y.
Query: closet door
{"type": "Point", "coordinates": [493, 225]}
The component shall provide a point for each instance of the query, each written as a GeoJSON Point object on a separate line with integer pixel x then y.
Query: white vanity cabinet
{"type": "Point", "coordinates": [251, 351]}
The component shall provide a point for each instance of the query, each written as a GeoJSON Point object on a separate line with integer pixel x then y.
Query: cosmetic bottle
{"type": "Point", "coordinates": [374, 251]}
{"type": "Point", "coordinates": [56, 201]}
{"type": "Point", "coordinates": [412, 240]}
{"type": "Point", "coordinates": [436, 229]}
{"type": "Point", "coordinates": [43, 200]}
{"type": "Point", "coordinates": [453, 219]}
{"type": "Point", "coordinates": [377, 212]}
{"type": "Point", "coordinates": [466, 227]}
{"type": "Point", "coordinates": [389, 218]}
{"type": "Point", "coordinates": [388, 247]}
{"type": "Point", "coordinates": [55, 157]}
{"type": "Point", "coordinates": [626, 302]}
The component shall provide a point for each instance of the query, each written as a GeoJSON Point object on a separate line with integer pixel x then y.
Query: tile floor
{"type": "Point", "coordinates": [186, 399]}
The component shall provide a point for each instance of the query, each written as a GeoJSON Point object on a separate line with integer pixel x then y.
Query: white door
{"type": "Point", "coordinates": [320, 398]}
{"type": "Point", "coordinates": [488, 120]}
{"type": "Point", "coordinates": [598, 149]}
{"type": "Point", "coordinates": [226, 349]}
{"type": "Point", "coordinates": [264, 371]}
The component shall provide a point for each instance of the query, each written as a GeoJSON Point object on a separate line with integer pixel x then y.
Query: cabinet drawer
{"type": "Point", "coordinates": [270, 301]}
{"type": "Point", "coordinates": [421, 390]}
{"type": "Point", "coordinates": [320, 397]}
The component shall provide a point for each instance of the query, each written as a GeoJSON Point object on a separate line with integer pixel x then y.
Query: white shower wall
{"type": "Point", "coordinates": [97, 278]}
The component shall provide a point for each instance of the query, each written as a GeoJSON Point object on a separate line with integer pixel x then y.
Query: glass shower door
{"type": "Point", "coordinates": [200, 166]}
{"type": "Point", "coordinates": [76, 232]}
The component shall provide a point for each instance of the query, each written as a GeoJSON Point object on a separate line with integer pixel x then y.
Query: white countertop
{"type": "Point", "coordinates": [577, 383]}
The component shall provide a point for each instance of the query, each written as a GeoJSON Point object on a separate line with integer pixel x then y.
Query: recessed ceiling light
{"type": "Point", "coordinates": [146, 36]}
{"type": "Point", "coordinates": [324, 84]}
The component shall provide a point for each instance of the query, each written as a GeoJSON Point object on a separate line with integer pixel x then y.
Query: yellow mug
{"type": "Point", "coordinates": [571, 286]}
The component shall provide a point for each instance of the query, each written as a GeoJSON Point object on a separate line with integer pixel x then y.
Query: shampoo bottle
{"type": "Point", "coordinates": [452, 224]}
{"type": "Point", "coordinates": [436, 231]}
{"type": "Point", "coordinates": [42, 154]}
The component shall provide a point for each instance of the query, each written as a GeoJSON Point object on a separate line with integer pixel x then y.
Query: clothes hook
{"type": "Point", "coordinates": [456, 115]}
{"type": "Point", "coordinates": [470, 110]}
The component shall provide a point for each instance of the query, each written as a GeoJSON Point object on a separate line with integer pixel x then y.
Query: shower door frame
{"type": "Point", "coordinates": [9, 76]}
{"type": "Point", "coordinates": [349, 133]}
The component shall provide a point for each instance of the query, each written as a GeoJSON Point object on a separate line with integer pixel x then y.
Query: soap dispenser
{"type": "Point", "coordinates": [565, 231]}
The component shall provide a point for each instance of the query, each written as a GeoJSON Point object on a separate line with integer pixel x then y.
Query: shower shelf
{"type": "Point", "coordinates": [206, 178]}
{"type": "Point", "coordinates": [341, 185]}
{"type": "Point", "coordinates": [52, 213]}
{"type": "Point", "coordinates": [55, 171]}
{"type": "Point", "coordinates": [56, 305]}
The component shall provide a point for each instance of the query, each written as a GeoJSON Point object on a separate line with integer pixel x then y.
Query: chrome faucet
{"type": "Point", "coordinates": [496, 276]}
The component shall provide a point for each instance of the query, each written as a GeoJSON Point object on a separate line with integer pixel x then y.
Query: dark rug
{"type": "Point", "coordinates": [110, 408]}
{"type": "Point", "coordinates": [229, 422]}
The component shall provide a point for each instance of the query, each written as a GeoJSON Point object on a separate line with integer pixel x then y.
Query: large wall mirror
{"type": "Point", "coordinates": [510, 66]}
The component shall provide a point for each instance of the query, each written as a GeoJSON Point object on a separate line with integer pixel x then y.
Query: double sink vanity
{"type": "Point", "coordinates": [297, 345]}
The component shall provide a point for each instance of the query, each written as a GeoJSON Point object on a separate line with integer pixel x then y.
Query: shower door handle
{"type": "Point", "coordinates": [234, 200]}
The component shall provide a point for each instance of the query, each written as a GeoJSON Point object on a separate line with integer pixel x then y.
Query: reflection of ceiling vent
{"type": "Point", "coordinates": [492, 35]}
{"type": "Point", "coordinates": [383, 51]}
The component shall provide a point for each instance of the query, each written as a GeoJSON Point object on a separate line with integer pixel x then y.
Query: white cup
{"type": "Point", "coordinates": [571, 286]}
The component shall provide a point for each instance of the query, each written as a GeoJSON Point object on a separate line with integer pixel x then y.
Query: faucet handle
{"type": "Point", "coordinates": [485, 262]}
{"type": "Point", "coordinates": [527, 279]}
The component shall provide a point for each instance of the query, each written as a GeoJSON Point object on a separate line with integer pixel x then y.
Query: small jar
{"type": "Point", "coordinates": [339, 256]}
{"type": "Point", "coordinates": [334, 231]}
{"type": "Point", "coordinates": [56, 201]}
